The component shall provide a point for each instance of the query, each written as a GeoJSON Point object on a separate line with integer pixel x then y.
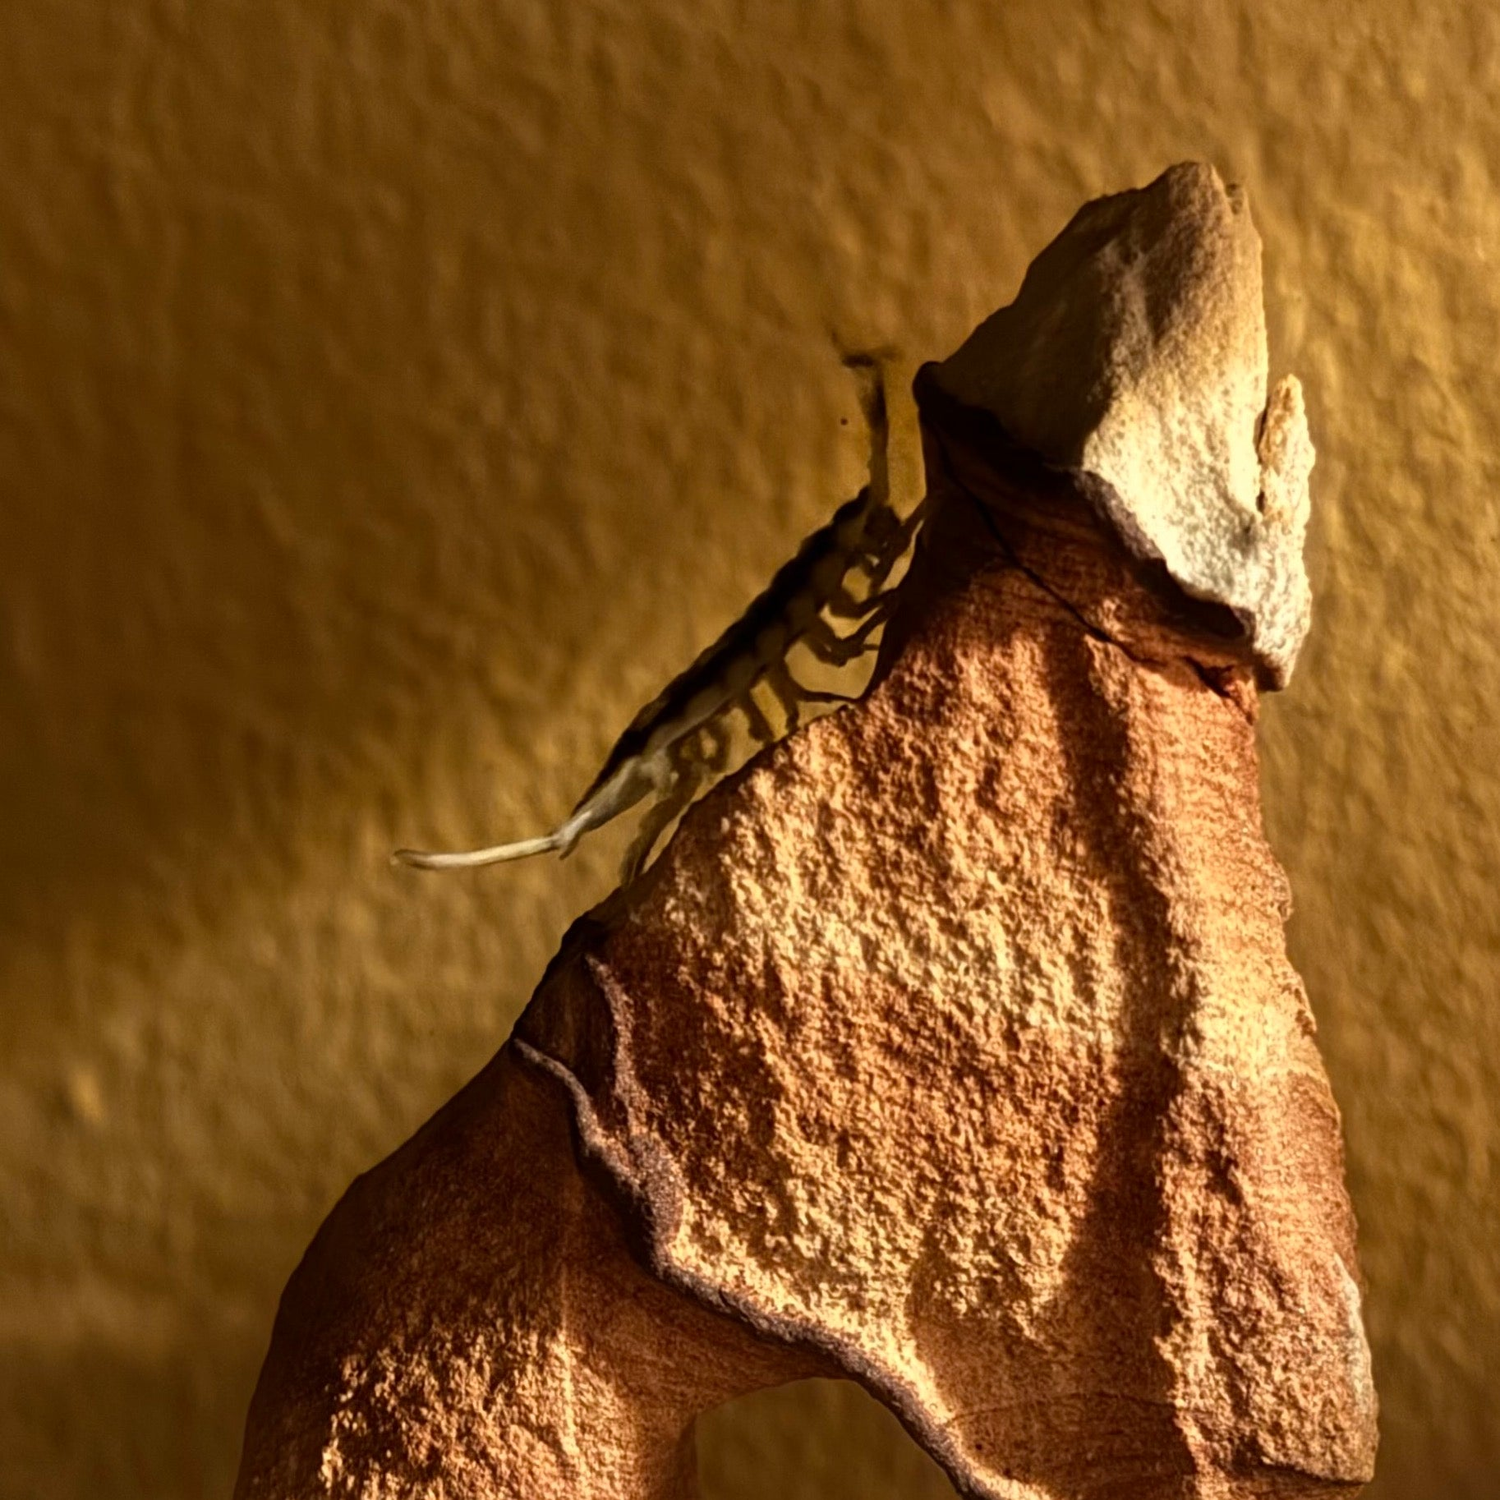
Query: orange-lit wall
{"type": "Point", "coordinates": [393, 395]}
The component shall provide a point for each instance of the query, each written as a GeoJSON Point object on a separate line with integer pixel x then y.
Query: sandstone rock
{"type": "Point", "coordinates": [1136, 351]}
{"type": "Point", "coordinates": [468, 1324]}
{"type": "Point", "coordinates": [951, 1047]}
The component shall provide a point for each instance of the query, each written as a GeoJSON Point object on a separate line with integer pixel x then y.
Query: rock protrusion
{"type": "Point", "coordinates": [1136, 351]}
{"type": "Point", "coordinates": [951, 1046]}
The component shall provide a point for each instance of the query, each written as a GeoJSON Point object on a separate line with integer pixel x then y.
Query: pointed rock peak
{"type": "Point", "coordinates": [1136, 350]}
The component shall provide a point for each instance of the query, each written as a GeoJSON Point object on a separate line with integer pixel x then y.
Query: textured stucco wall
{"type": "Point", "coordinates": [393, 395]}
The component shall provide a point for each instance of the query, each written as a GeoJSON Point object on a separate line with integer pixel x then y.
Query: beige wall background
{"type": "Point", "coordinates": [393, 395]}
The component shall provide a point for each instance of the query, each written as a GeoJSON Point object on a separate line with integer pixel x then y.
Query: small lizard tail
{"type": "Point", "coordinates": [473, 859]}
{"type": "Point", "coordinates": [563, 838]}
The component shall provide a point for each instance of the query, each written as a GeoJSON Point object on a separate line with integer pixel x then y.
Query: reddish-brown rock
{"type": "Point", "coordinates": [952, 1046]}
{"type": "Point", "coordinates": [468, 1323]}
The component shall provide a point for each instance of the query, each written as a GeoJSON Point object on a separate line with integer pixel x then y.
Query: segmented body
{"type": "Point", "coordinates": [679, 737]}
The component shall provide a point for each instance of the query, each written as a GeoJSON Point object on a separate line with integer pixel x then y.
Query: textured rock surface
{"type": "Point", "coordinates": [395, 396]}
{"type": "Point", "coordinates": [470, 1324]}
{"type": "Point", "coordinates": [951, 1047]}
{"type": "Point", "coordinates": [1136, 350]}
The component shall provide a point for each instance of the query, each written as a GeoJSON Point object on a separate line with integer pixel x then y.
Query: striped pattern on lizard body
{"type": "Point", "coordinates": [679, 738]}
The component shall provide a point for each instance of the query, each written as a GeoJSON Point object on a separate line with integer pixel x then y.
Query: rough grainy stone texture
{"type": "Point", "coordinates": [1136, 351]}
{"type": "Point", "coordinates": [394, 396]}
{"type": "Point", "coordinates": [951, 1047]}
{"type": "Point", "coordinates": [469, 1324]}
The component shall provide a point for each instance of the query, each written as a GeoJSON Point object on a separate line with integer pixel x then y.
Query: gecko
{"type": "Point", "coordinates": [679, 737]}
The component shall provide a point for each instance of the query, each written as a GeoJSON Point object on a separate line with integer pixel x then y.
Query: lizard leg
{"type": "Point", "coordinates": [684, 785]}
{"type": "Point", "coordinates": [788, 692]}
{"type": "Point", "coordinates": [760, 725]}
{"type": "Point", "coordinates": [839, 650]}
{"type": "Point", "coordinates": [843, 605]}
{"type": "Point", "coordinates": [824, 695]}
{"type": "Point", "coordinates": [825, 643]}
{"type": "Point", "coordinates": [859, 640]}
{"type": "Point", "coordinates": [833, 650]}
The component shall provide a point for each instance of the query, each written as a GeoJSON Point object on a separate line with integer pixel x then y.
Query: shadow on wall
{"type": "Point", "coordinates": [821, 1440]}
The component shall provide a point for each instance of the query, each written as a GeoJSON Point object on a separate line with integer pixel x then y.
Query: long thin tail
{"type": "Point", "coordinates": [600, 808]}
{"type": "Point", "coordinates": [473, 859]}
{"type": "Point", "coordinates": [562, 838]}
